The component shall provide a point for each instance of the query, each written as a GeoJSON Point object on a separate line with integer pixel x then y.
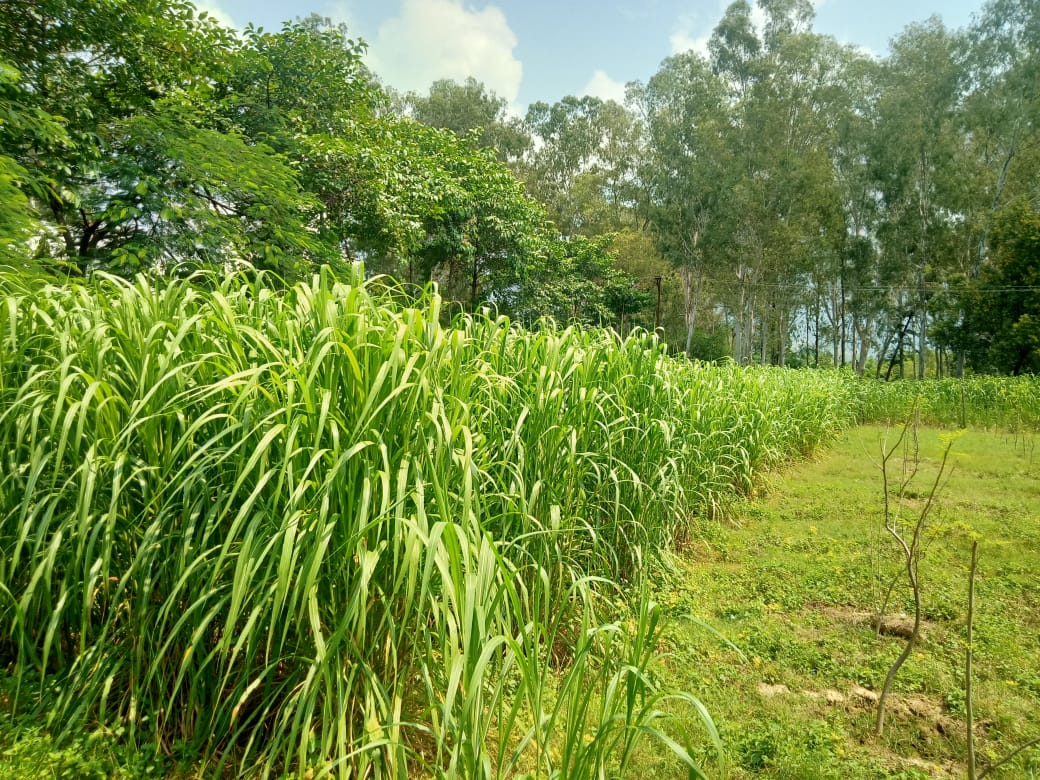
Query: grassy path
{"type": "Point", "coordinates": [794, 580]}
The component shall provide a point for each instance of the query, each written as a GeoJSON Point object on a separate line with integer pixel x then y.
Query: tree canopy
{"type": "Point", "coordinates": [781, 197]}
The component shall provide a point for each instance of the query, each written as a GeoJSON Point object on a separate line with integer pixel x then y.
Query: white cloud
{"type": "Point", "coordinates": [693, 32]}
{"type": "Point", "coordinates": [682, 41]}
{"type": "Point", "coordinates": [444, 39]}
{"type": "Point", "coordinates": [604, 87]}
{"type": "Point", "coordinates": [215, 11]}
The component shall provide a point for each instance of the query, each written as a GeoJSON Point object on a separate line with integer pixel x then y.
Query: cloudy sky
{"type": "Point", "coordinates": [528, 50]}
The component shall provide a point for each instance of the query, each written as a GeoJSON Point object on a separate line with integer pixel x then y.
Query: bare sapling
{"type": "Point", "coordinates": [973, 773]}
{"type": "Point", "coordinates": [911, 462]}
{"type": "Point", "coordinates": [969, 707]}
{"type": "Point", "coordinates": [909, 548]}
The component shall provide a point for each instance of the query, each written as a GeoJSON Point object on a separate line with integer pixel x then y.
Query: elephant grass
{"type": "Point", "coordinates": [314, 531]}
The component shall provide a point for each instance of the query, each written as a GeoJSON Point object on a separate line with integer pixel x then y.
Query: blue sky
{"type": "Point", "coordinates": [528, 50]}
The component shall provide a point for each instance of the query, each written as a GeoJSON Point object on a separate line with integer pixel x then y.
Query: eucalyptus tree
{"type": "Point", "coordinates": [786, 89]}
{"type": "Point", "coordinates": [790, 197]}
{"type": "Point", "coordinates": [918, 157]}
{"type": "Point", "coordinates": [735, 48]}
{"type": "Point", "coordinates": [1002, 113]}
{"type": "Point", "coordinates": [847, 279]}
{"type": "Point", "coordinates": [689, 173]}
{"type": "Point", "coordinates": [584, 162]}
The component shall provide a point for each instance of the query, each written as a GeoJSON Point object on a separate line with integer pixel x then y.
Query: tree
{"type": "Point", "coordinates": [917, 163]}
{"type": "Point", "coordinates": [470, 107]}
{"type": "Point", "coordinates": [1003, 306]}
{"type": "Point", "coordinates": [735, 47]}
{"type": "Point", "coordinates": [20, 126]}
{"type": "Point", "coordinates": [584, 165]}
{"type": "Point", "coordinates": [180, 194]}
{"type": "Point", "coordinates": [142, 175]}
{"type": "Point", "coordinates": [689, 171]}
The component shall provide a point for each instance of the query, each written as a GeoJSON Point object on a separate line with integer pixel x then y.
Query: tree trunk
{"type": "Point", "coordinates": [922, 341]}
{"type": "Point", "coordinates": [749, 326]}
{"type": "Point", "coordinates": [841, 282]}
{"type": "Point", "coordinates": [738, 333]}
{"type": "Point", "coordinates": [864, 349]}
{"type": "Point", "coordinates": [816, 332]}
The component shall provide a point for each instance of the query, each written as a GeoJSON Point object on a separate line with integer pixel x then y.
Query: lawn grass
{"type": "Point", "coordinates": [793, 578]}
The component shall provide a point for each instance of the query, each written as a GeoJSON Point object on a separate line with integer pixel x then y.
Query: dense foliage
{"type": "Point", "coordinates": [780, 198]}
{"type": "Point", "coordinates": [319, 529]}
{"type": "Point", "coordinates": [150, 138]}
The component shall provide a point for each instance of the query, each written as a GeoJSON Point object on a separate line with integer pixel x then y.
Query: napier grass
{"type": "Point", "coordinates": [316, 532]}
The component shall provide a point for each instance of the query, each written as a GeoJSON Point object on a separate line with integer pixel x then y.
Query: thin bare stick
{"type": "Point", "coordinates": [968, 706]}
{"type": "Point", "coordinates": [1009, 756]}
{"type": "Point", "coordinates": [886, 455]}
{"type": "Point", "coordinates": [911, 554]}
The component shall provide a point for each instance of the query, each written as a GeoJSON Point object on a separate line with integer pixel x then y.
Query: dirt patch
{"type": "Point", "coordinates": [828, 695]}
{"type": "Point", "coordinates": [864, 694]}
{"type": "Point", "coordinates": [946, 770]}
{"type": "Point", "coordinates": [768, 691]}
{"type": "Point", "coordinates": [927, 714]}
{"type": "Point", "coordinates": [896, 624]}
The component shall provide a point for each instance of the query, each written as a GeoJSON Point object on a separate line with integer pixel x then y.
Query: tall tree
{"type": "Point", "coordinates": [584, 163]}
{"type": "Point", "coordinates": [689, 172]}
{"type": "Point", "coordinates": [916, 158]}
{"type": "Point", "coordinates": [470, 107]}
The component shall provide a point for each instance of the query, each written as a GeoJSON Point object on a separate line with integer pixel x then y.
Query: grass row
{"type": "Point", "coordinates": [314, 531]}
{"type": "Point", "coordinates": [985, 402]}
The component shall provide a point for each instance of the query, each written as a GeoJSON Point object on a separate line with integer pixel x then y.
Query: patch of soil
{"type": "Point", "coordinates": [927, 714]}
{"type": "Point", "coordinates": [768, 691]}
{"type": "Point", "coordinates": [945, 771]}
{"type": "Point", "coordinates": [897, 624]}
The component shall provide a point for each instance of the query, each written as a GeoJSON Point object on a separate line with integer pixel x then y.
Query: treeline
{"type": "Point", "coordinates": [144, 136]}
{"type": "Point", "coordinates": [782, 199]}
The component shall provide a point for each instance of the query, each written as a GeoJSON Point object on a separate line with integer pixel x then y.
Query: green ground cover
{"type": "Point", "coordinates": [794, 581]}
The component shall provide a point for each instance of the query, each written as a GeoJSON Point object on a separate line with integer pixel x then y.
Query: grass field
{"type": "Point", "coordinates": [319, 532]}
{"type": "Point", "coordinates": [795, 580]}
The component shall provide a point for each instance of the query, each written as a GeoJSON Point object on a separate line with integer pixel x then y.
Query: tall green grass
{"type": "Point", "coordinates": [315, 532]}
{"type": "Point", "coordinates": [993, 402]}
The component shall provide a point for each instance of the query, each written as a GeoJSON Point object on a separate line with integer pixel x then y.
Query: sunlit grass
{"type": "Point", "coordinates": [991, 402]}
{"type": "Point", "coordinates": [316, 530]}
{"type": "Point", "coordinates": [795, 584]}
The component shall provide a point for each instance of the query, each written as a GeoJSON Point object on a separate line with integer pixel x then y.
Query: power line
{"type": "Point", "coordinates": [927, 287]}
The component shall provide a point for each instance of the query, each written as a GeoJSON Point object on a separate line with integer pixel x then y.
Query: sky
{"type": "Point", "coordinates": [531, 50]}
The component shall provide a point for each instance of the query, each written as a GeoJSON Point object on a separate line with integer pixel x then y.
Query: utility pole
{"type": "Point", "coordinates": [657, 314]}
